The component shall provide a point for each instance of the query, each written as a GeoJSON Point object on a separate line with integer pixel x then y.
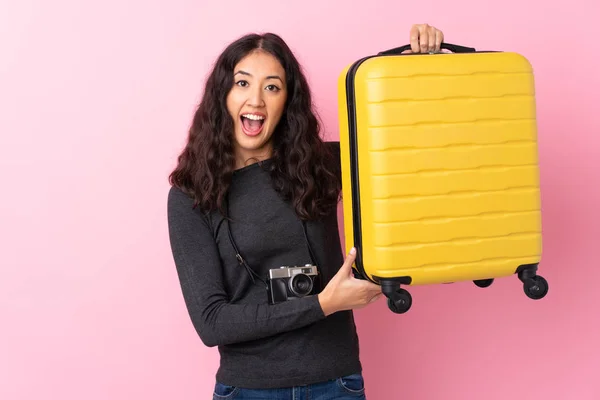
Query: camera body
{"type": "Point", "coordinates": [287, 283]}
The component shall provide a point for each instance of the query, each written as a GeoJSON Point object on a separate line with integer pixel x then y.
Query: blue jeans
{"type": "Point", "coordinates": [351, 387]}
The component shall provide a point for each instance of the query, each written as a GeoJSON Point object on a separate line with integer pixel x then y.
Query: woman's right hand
{"type": "Point", "coordinates": [345, 292]}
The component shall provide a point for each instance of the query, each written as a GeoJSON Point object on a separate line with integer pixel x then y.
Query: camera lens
{"type": "Point", "coordinates": [301, 285]}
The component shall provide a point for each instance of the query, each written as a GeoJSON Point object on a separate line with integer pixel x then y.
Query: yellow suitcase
{"type": "Point", "coordinates": [440, 169]}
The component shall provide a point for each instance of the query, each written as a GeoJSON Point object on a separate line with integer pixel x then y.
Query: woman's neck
{"type": "Point", "coordinates": [246, 158]}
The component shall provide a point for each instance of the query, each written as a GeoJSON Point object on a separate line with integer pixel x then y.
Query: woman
{"type": "Point", "coordinates": [255, 195]}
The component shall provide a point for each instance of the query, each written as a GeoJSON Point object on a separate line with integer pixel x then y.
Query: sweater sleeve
{"type": "Point", "coordinates": [198, 266]}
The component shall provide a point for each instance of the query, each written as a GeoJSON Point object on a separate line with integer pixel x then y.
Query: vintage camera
{"type": "Point", "coordinates": [287, 283]}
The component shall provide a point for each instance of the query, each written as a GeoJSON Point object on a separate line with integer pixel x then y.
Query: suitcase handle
{"type": "Point", "coordinates": [447, 46]}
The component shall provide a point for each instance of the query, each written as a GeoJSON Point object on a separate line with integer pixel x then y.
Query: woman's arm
{"type": "Point", "coordinates": [199, 269]}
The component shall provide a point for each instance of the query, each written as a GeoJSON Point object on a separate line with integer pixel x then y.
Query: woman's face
{"type": "Point", "coordinates": [256, 103]}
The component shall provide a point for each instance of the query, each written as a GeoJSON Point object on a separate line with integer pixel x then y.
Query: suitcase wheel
{"type": "Point", "coordinates": [483, 283]}
{"type": "Point", "coordinates": [535, 287]}
{"type": "Point", "coordinates": [400, 301]}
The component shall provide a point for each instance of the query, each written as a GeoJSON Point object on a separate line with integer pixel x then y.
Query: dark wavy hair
{"type": "Point", "coordinates": [302, 170]}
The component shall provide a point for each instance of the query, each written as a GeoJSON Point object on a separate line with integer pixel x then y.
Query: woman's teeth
{"type": "Point", "coordinates": [253, 117]}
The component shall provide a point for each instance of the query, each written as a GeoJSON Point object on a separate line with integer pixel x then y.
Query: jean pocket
{"type": "Point", "coordinates": [352, 383]}
{"type": "Point", "coordinates": [222, 391]}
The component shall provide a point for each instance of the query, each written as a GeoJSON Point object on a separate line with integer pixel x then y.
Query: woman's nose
{"type": "Point", "coordinates": [256, 98]}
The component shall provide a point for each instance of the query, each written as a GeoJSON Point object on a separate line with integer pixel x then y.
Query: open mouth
{"type": "Point", "coordinates": [252, 124]}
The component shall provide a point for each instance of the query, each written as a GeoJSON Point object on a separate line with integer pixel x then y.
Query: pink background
{"type": "Point", "coordinates": [96, 98]}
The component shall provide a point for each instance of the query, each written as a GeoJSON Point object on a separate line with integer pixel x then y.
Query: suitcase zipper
{"type": "Point", "coordinates": [353, 142]}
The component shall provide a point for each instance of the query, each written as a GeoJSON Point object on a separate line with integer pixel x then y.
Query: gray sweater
{"type": "Point", "coordinates": [261, 345]}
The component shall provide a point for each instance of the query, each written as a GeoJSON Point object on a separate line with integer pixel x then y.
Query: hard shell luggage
{"type": "Point", "coordinates": [440, 169]}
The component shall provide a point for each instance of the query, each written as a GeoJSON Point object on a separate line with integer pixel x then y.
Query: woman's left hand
{"type": "Point", "coordinates": [425, 38]}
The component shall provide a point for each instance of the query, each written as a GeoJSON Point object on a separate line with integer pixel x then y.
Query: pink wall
{"type": "Point", "coordinates": [96, 98]}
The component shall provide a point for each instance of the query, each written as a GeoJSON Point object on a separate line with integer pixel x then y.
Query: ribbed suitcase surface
{"type": "Point", "coordinates": [446, 166]}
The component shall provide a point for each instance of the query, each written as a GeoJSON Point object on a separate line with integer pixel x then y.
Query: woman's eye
{"type": "Point", "coordinates": [272, 88]}
{"type": "Point", "coordinates": [241, 83]}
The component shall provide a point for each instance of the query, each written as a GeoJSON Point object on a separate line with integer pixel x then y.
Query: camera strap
{"type": "Point", "coordinates": [241, 259]}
